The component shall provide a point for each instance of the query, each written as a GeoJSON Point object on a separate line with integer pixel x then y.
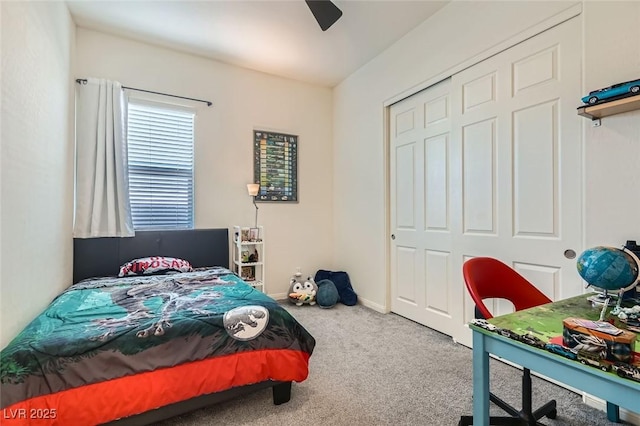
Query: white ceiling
{"type": "Point", "coordinates": [272, 36]}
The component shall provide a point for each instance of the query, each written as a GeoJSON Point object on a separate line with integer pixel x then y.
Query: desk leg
{"type": "Point", "coordinates": [613, 412]}
{"type": "Point", "coordinates": [480, 381]}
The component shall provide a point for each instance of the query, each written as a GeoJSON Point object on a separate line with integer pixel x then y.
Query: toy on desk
{"type": "Point", "coordinates": [509, 334]}
{"type": "Point", "coordinates": [594, 359]}
{"type": "Point", "coordinates": [561, 350]}
{"type": "Point", "coordinates": [595, 336]}
{"type": "Point", "coordinates": [627, 371]}
{"type": "Point", "coordinates": [620, 90]}
{"type": "Point", "coordinates": [527, 338]}
{"type": "Point", "coordinates": [632, 324]}
{"type": "Point", "coordinates": [532, 340]}
{"type": "Point", "coordinates": [632, 313]}
{"type": "Point", "coordinates": [483, 323]}
{"type": "Point", "coordinates": [630, 317]}
{"type": "Point", "coordinates": [302, 292]}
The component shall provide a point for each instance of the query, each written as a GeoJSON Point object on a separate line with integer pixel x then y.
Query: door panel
{"type": "Point", "coordinates": [479, 92]}
{"type": "Point", "coordinates": [546, 278]}
{"type": "Point", "coordinates": [405, 189]}
{"type": "Point", "coordinates": [406, 275]}
{"type": "Point", "coordinates": [437, 273]}
{"type": "Point", "coordinates": [535, 170]}
{"type": "Point", "coordinates": [437, 183]}
{"type": "Point", "coordinates": [532, 71]}
{"type": "Point", "coordinates": [479, 183]}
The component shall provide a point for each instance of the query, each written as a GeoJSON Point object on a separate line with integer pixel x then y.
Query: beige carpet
{"type": "Point", "coordinates": [374, 369]}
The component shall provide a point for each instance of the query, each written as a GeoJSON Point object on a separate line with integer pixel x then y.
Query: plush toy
{"type": "Point", "coordinates": [327, 295]}
{"type": "Point", "coordinates": [342, 282]}
{"type": "Point", "coordinates": [302, 292]}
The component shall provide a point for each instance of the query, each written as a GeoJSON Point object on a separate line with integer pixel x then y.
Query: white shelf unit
{"type": "Point", "coordinates": [244, 247]}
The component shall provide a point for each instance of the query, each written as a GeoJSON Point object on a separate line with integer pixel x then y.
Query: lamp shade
{"type": "Point", "coordinates": [253, 189]}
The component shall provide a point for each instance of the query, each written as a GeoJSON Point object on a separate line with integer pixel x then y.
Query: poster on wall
{"type": "Point", "coordinates": [275, 166]}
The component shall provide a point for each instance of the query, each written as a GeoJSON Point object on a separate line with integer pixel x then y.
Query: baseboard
{"type": "Point", "coordinates": [364, 302]}
{"type": "Point", "coordinates": [372, 305]}
{"type": "Point", "coordinates": [625, 415]}
{"type": "Point", "coordinates": [279, 296]}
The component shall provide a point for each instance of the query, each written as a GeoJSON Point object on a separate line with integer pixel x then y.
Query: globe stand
{"type": "Point", "coordinates": [604, 298]}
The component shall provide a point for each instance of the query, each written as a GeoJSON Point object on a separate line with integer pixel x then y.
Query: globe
{"type": "Point", "coordinates": [608, 268]}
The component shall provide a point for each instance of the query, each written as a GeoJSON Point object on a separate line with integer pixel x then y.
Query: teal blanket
{"type": "Point", "coordinates": [99, 329]}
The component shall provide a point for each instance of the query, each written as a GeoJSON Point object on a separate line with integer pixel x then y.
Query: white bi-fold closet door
{"type": "Point", "coordinates": [488, 163]}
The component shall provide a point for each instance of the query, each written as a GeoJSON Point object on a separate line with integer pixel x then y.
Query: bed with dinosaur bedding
{"type": "Point", "coordinates": [165, 337]}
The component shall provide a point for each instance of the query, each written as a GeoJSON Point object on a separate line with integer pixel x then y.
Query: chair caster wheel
{"type": "Point", "coordinates": [552, 414]}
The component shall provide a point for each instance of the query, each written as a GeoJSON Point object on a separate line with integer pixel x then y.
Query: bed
{"type": "Point", "coordinates": [145, 347]}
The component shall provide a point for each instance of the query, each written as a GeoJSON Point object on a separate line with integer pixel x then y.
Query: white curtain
{"type": "Point", "coordinates": [102, 182]}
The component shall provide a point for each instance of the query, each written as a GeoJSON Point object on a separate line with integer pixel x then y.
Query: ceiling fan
{"type": "Point", "coordinates": [325, 12]}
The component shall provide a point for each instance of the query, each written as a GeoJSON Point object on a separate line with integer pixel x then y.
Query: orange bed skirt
{"type": "Point", "coordinates": [117, 398]}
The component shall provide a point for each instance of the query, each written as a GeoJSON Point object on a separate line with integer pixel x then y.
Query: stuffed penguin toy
{"type": "Point", "coordinates": [301, 292]}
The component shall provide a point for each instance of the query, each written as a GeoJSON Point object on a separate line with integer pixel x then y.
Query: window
{"type": "Point", "coordinates": [160, 156]}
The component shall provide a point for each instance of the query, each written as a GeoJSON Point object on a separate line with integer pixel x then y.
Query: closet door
{"type": "Point", "coordinates": [517, 153]}
{"type": "Point", "coordinates": [488, 163]}
{"type": "Point", "coordinates": [420, 212]}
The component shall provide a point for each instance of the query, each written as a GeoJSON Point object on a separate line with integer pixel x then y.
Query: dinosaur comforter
{"type": "Point", "coordinates": [108, 348]}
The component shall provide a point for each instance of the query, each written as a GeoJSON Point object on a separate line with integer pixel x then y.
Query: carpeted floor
{"type": "Point", "coordinates": [374, 369]}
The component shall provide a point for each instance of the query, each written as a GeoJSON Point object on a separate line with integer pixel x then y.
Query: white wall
{"type": "Point", "coordinates": [243, 100]}
{"type": "Point", "coordinates": [612, 154]}
{"type": "Point", "coordinates": [37, 163]}
{"type": "Point", "coordinates": [460, 31]}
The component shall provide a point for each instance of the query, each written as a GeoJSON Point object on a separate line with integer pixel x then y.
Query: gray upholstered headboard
{"type": "Point", "coordinates": [97, 257]}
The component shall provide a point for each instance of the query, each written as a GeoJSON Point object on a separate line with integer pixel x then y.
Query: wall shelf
{"type": "Point", "coordinates": [606, 109]}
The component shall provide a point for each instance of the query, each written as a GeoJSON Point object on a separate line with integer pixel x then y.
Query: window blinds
{"type": "Point", "coordinates": [160, 156]}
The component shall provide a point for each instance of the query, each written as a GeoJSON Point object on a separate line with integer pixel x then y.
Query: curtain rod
{"type": "Point", "coordinates": [84, 81]}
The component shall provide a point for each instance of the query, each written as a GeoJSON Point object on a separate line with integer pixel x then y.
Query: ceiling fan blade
{"type": "Point", "coordinates": [325, 12]}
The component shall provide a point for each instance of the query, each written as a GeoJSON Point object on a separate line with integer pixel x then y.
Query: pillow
{"type": "Point", "coordinates": [327, 295]}
{"type": "Point", "coordinates": [343, 285]}
{"type": "Point", "coordinates": [154, 265]}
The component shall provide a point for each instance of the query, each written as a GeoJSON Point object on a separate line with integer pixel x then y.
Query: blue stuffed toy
{"type": "Point", "coordinates": [327, 296]}
{"type": "Point", "coordinates": [342, 283]}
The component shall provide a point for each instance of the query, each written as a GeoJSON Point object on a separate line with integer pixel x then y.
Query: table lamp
{"type": "Point", "coordinates": [253, 189]}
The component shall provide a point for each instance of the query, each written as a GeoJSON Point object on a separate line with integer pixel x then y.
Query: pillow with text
{"type": "Point", "coordinates": [154, 265]}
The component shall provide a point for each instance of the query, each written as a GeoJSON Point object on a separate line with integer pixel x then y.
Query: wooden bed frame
{"type": "Point", "coordinates": [96, 257]}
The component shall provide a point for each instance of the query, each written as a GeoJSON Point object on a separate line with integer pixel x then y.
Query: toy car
{"type": "Point", "coordinates": [594, 359]}
{"type": "Point", "coordinates": [532, 340]}
{"type": "Point", "coordinates": [561, 350]}
{"type": "Point", "coordinates": [508, 333]}
{"type": "Point", "coordinates": [482, 323]}
{"type": "Point", "coordinates": [617, 90]}
{"type": "Point", "coordinates": [628, 371]}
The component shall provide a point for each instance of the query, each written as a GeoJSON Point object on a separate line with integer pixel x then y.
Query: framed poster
{"type": "Point", "coordinates": [275, 166]}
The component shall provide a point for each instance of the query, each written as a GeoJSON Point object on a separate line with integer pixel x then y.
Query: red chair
{"type": "Point", "coordinates": [489, 278]}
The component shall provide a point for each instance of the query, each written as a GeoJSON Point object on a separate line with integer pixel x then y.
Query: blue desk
{"type": "Point", "coordinates": [608, 386]}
